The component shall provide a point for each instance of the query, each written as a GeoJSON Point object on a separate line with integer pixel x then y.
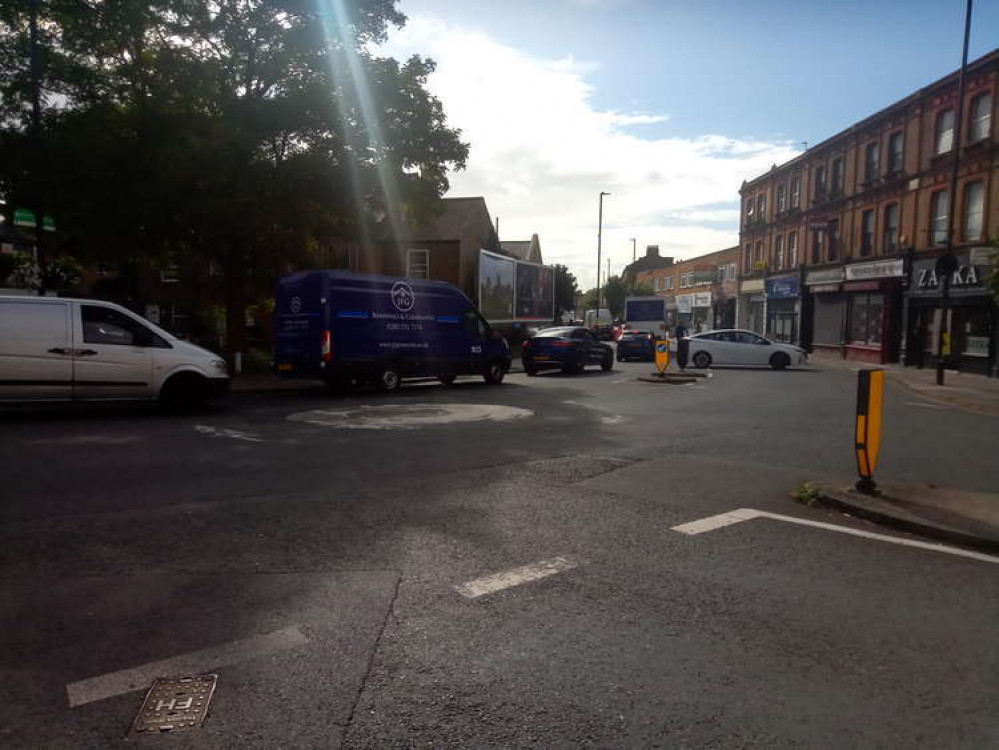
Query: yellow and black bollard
{"type": "Point", "coordinates": [662, 356]}
{"type": "Point", "coordinates": [870, 392]}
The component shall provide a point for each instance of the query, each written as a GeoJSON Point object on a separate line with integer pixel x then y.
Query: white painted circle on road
{"type": "Point", "coordinates": [408, 416]}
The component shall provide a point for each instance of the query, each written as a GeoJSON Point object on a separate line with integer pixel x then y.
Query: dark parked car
{"type": "Point", "coordinates": [568, 348]}
{"type": "Point", "coordinates": [636, 345]}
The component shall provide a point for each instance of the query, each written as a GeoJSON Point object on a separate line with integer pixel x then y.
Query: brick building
{"type": "Point", "coordinates": [837, 244]}
{"type": "Point", "coordinates": [700, 291]}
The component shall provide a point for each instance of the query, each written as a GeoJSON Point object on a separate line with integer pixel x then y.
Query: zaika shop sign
{"type": "Point", "coordinates": [966, 281]}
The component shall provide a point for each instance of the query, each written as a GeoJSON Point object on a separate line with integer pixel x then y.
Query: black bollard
{"type": "Point", "coordinates": [682, 352]}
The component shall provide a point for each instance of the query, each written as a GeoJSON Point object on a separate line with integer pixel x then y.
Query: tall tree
{"type": "Point", "coordinates": [615, 292]}
{"type": "Point", "coordinates": [566, 288]}
{"type": "Point", "coordinates": [245, 133]}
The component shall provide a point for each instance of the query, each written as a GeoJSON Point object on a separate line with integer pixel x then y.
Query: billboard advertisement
{"type": "Point", "coordinates": [510, 290]}
{"type": "Point", "coordinates": [535, 292]}
{"type": "Point", "coordinates": [497, 276]}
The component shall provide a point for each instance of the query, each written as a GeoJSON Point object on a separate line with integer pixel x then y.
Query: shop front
{"type": "Point", "coordinates": [856, 310]}
{"type": "Point", "coordinates": [695, 311]}
{"type": "Point", "coordinates": [752, 305]}
{"type": "Point", "coordinates": [971, 317]}
{"type": "Point", "coordinates": [783, 308]}
{"type": "Point", "coordinates": [723, 309]}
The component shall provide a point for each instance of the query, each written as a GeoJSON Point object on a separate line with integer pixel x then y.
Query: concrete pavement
{"type": "Point", "coordinates": [132, 538]}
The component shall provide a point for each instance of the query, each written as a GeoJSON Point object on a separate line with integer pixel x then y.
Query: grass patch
{"type": "Point", "coordinates": [807, 493]}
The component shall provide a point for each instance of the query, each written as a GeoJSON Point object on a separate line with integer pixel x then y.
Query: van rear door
{"type": "Point", "coordinates": [36, 350]}
{"type": "Point", "coordinates": [298, 325]}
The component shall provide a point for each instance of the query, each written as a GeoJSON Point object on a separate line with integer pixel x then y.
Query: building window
{"type": "Point", "coordinates": [169, 272]}
{"type": "Point", "coordinates": [749, 209]}
{"type": "Point", "coordinates": [837, 175]}
{"type": "Point", "coordinates": [980, 122]}
{"type": "Point", "coordinates": [418, 264]}
{"type": "Point", "coordinates": [792, 250]}
{"type": "Point", "coordinates": [820, 181]}
{"type": "Point", "coordinates": [781, 198]}
{"type": "Point", "coordinates": [779, 252]}
{"type": "Point", "coordinates": [834, 240]}
{"type": "Point", "coordinates": [816, 247]}
{"type": "Point", "coordinates": [865, 319]}
{"type": "Point", "coordinates": [669, 282]}
{"type": "Point", "coordinates": [747, 259]}
{"type": "Point", "coordinates": [758, 256]}
{"type": "Point", "coordinates": [895, 146]}
{"type": "Point", "coordinates": [974, 209]}
{"type": "Point", "coordinates": [945, 131]}
{"type": "Point", "coordinates": [761, 206]}
{"type": "Point", "coordinates": [795, 192]}
{"type": "Point", "coordinates": [891, 228]}
{"type": "Point", "coordinates": [867, 233]}
{"type": "Point", "coordinates": [939, 206]}
{"type": "Point", "coordinates": [872, 156]}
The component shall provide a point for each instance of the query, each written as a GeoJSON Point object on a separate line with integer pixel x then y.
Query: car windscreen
{"type": "Point", "coordinates": [554, 333]}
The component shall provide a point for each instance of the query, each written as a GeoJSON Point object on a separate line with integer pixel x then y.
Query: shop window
{"type": "Point", "coordinates": [867, 233]}
{"type": "Point", "coordinates": [891, 228]}
{"type": "Point", "coordinates": [939, 206]}
{"type": "Point", "coordinates": [980, 121]}
{"type": "Point", "coordinates": [945, 131]}
{"type": "Point", "coordinates": [974, 208]}
{"type": "Point", "coordinates": [866, 319]}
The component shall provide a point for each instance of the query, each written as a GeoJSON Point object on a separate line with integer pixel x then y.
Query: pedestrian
{"type": "Point", "coordinates": [681, 330]}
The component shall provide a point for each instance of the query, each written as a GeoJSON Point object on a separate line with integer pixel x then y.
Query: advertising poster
{"type": "Point", "coordinates": [535, 292]}
{"type": "Point", "coordinates": [497, 276]}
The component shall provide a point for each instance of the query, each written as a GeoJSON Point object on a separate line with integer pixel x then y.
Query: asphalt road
{"type": "Point", "coordinates": [321, 555]}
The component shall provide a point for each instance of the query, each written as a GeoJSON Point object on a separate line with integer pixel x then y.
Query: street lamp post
{"type": "Point", "coordinates": [600, 229]}
{"type": "Point", "coordinates": [947, 263]}
{"type": "Point", "coordinates": [634, 252]}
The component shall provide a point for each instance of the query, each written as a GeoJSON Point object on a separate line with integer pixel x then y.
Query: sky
{"type": "Point", "coordinates": [668, 106]}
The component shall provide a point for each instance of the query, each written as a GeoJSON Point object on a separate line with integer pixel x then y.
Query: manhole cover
{"type": "Point", "coordinates": [176, 703]}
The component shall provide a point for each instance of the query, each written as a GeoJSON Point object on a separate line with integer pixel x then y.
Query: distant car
{"type": "Point", "coordinates": [737, 347]}
{"type": "Point", "coordinates": [569, 348]}
{"type": "Point", "coordinates": [635, 345]}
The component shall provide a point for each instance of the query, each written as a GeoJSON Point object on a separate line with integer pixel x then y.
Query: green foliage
{"type": "Point", "coordinates": [241, 132]}
{"type": "Point", "coordinates": [641, 290]}
{"type": "Point", "coordinates": [590, 299]}
{"type": "Point", "coordinates": [62, 274]}
{"type": "Point", "coordinates": [566, 289]}
{"type": "Point", "coordinates": [807, 493]}
{"type": "Point", "coordinates": [614, 294]}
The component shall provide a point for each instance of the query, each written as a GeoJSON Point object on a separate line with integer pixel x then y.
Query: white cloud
{"type": "Point", "coordinates": [541, 152]}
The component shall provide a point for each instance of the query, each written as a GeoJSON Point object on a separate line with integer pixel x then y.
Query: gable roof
{"type": "Point", "coordinates": [527, 250]}
{"type": "Point", "coordinates": [459, 218]}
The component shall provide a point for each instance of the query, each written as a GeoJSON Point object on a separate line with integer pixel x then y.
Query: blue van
{"type": "Point", "coordinates": [342, 326]}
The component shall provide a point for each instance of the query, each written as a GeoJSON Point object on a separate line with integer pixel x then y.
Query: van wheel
{"type": "Point", "coordinates": [185, 391]}
{"type": "Point", "coordinates": [389, 379]}
{"type": "Point", "coordinates": [446, 379]}
{"type": "Point", "coordinates": [494, 373]}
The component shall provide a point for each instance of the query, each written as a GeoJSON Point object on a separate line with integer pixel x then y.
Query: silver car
{"type": "Point", "coordinates": [738, 347]}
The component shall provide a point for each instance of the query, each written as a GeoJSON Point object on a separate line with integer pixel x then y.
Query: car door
{"type": "Point", "coordinates": [113, 354]}
{"type": "Point", "coordinates": [475, 342]}
{"type": "Point", "coordinates": [751, 349]}
{"type": "Point", "coordinates": [594, 350]}
{"type": "Point", "coordinates": [36, 358]}
{"type": "Point", "coordinates": [712, 343]}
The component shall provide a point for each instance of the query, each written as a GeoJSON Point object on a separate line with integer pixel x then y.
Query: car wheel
{"type": "Point", "coordinates": [608, 364]}
{"type": "Point", "coordinates": [780, 361]}
{"type": "Point", "coordinates": [702, 360]}
{"type": "Point", "coordinates": [446, 379]}
{"type": "Point", "coordinates": [620, 358]}
{"type": "Point", "coordinates": [494, 373]}
{"type": "Point", "coordinates": [389, 379]}
{"type": "Point", "coordinates": [184, 392]}
{"type": "Point", "coordinates": [531, 370]}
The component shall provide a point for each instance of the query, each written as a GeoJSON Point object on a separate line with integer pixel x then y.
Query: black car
{"type": "Point", "coordinates": [569, 348]}
{"type": "Point", "coordinates": [636, 345]}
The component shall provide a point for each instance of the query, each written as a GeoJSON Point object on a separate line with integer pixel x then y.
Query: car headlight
{"type": "Point", "coordinates": [221, 366]}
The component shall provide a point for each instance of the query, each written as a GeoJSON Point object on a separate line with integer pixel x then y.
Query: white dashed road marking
{"type": "Point", "coordinates": [139, 678]}
{"type": "Point", "coordinates": [747, 514]}
{"type": "Point", "coordinates": [223, 432]}
{"type": "Point", "coordinates": [408, 416]}
{"type": "Point", "coordinates": [506, 579]}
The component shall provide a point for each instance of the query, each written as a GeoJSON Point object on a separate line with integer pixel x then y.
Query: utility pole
{"type": "Point", "coordinates": [600, 230]}
{"type": "Point", "coordinates": [947, 263]}
{"type": "Point", "coordinates": [634, 252]}
{"type": "Point", "coordinates": [497, 228]}
{"type": "Point", "coordinates": [607, 277]}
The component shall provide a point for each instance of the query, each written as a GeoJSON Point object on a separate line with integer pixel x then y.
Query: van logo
{"type": "Point", "coordinates": [295, 305]}
{"type": "Point", "coordinates": [402, 296]}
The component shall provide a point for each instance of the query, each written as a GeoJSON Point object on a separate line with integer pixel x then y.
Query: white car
{"type": "Point", "coordinates": [736, 347]}
{"type": "Point", "coordinates": [58, 349]}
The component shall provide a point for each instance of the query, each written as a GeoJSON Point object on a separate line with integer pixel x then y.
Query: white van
{"type": "Point", "coordinates": [56, 349]}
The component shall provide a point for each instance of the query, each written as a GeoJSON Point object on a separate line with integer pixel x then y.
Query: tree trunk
{"type": "Point", "coordinates": [235, 305]}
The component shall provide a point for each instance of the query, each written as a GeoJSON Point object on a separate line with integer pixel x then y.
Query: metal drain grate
{"type": "Point", "coordinates": [174, 703]}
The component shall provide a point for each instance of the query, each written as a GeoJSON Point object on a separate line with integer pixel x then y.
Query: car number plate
{"type": "Point", "coordinates": [542, 358]}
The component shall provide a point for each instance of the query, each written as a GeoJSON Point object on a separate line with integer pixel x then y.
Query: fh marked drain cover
{"type": "Point", "coordinates": [176, 703]}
